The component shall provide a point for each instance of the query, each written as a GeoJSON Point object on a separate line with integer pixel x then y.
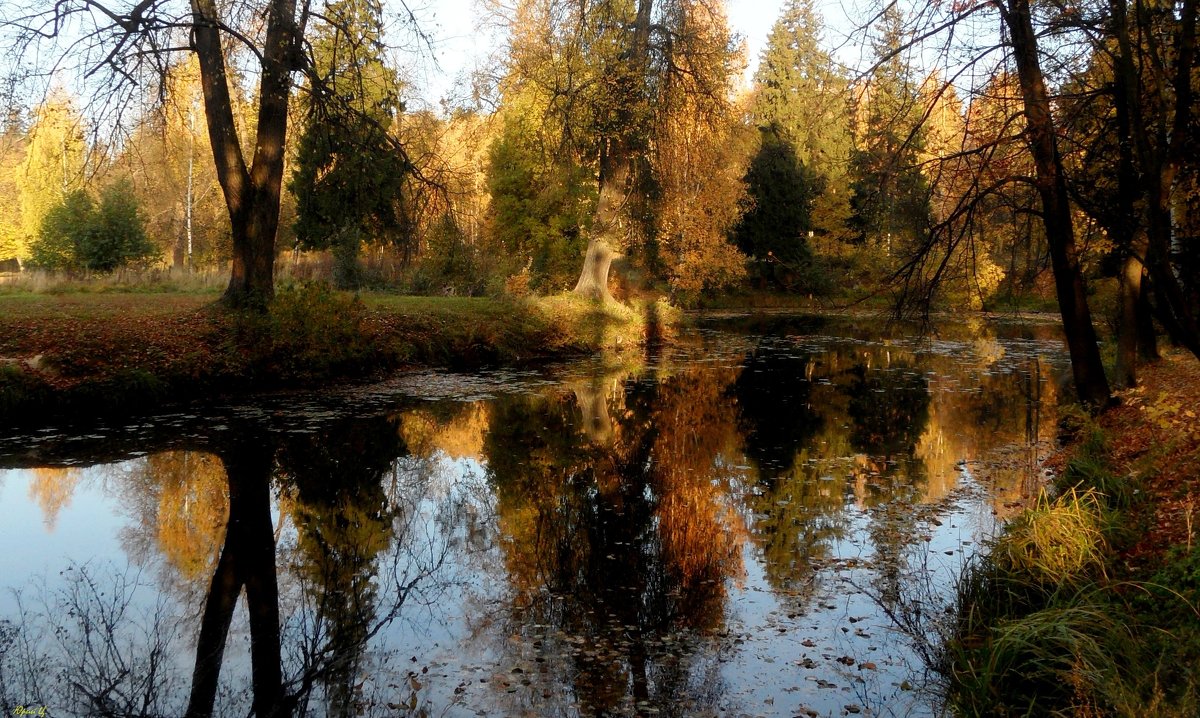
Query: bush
{"type": "Point", "coordinates": [314, 331]}
{"type": "Point", "coordinates": [308, 332]}
{"type": "Point", "coordinates": [78, 234]}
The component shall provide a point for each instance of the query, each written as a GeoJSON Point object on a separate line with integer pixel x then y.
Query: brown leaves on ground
{"type": "Point", "coordinates": [77, 338]}
{"type": "Point", "coordinates": [1154, 436]}
{"type": "Point", "coordinates": [93, 352]}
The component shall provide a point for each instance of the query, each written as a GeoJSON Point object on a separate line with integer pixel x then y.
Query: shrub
{"type": "Point", "coordinates": [79, 234]}
{"type": "Point", "coordinates": [314, 330]}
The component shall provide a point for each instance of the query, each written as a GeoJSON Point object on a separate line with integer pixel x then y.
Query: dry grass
{"type": "Point", "coordinates": [1059, 539]}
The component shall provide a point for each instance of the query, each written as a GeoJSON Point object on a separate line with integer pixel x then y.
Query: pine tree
{"type": "Point", "coordinates": [350, 173]}
{"type": "Point", "coordinates": [79, 234]}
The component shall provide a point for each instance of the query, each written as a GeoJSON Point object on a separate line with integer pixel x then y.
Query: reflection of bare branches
{"type": "Point", "coordinates": [91, 649]}
{"type": "Point", "coordinates": [322, 654]}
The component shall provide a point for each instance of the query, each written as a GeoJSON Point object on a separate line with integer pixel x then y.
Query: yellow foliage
{"type": "Point", "coordinates": [53, 165]}
{"type": "Point", "coordinates": [460, 437]}
{"type": "Point", "coordinates": [52, 488]}
{"type": "Point", "coordinates": [193, 507]}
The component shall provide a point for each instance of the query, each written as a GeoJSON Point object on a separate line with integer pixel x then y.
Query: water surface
{"type": "Point", "coordinates": [724, 527]}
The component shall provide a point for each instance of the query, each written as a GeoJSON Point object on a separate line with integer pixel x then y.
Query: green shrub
{"type": "Point", "coordinates": [309, 331]}
{"type": "Point", "coordinates": [1042, 629]}
{"type": "Point", "coordinates": [79, 234]}
{"type": "Point", "coordinates": [315, 330]}
{"type": "Point", "coordinates": [1054, 661]}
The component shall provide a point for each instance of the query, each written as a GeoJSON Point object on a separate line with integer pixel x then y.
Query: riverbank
{"type": "Point", "coordinates": [74, 355]}
{"type": "Point", "coordinates": [1089, 602]}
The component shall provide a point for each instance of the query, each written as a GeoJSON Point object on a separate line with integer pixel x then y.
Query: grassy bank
{"type": "Point", "coordinates": [87, 354]}
{"type": "Point", "coordinates": [1088, 604]}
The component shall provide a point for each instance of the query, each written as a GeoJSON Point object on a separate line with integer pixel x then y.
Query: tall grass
{"type": "Point", "coordinates": [1057, 540]}
{"type": "Point", "coordinates": [129, 279]}
{"type": "Point", "coordinates": [1052, 623]}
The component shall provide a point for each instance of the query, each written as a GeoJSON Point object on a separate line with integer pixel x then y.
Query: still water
{"type": "Point", "coordinates": [727, 526]}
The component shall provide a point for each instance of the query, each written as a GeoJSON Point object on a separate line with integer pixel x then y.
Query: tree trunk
{"type": "Point", "coordinates": [1091, 386]}
{"type": "Point", "coordinates": [251, 193]}
{"type": "Point", "coordinates": [1128, 328]}
{"type": "Point", "coordinates": [1124, 230]}
{"type": "Point", "coordinates": [1161, 160]}
{"type": "Point", "coordinates": [606, 229]}
{"type": "Point", "coordinates": [593, 280]}
{"type": "Point", "coordinates": [1147, 337]}
{"type": "Point", "coordinates": [252, 278]}
{"type": "Point", "coordinates": [616, 160]}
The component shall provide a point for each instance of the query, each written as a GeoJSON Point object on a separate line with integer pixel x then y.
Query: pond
{"type": "Point", "coordinates": [731, 525]}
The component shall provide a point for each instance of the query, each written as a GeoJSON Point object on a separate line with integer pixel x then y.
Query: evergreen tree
{"type": "Point", "coordinates": [540, 210]}
{"type": "Point", "coordinates": [350, 172]}
{"type": "Point", "coordinates": [782, 190]}
{"type": "Point", "coordinates": [890, 198]}
{"type": "Point", "coordinates": [79, 234]}
{"type": "Point", "coordinates": [64, 230]}
{"type": "Point", "coordinates": [801, 91]}
{"type": "Point", "coordinates": [118, 235]}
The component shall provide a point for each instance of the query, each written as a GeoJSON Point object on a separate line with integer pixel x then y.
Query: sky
{"type": "Point", "coordinates": [459, 40]}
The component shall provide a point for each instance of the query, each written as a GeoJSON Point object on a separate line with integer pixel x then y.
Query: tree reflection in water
{"type": "Point", "coordinates": [605, 536]}
{"type": "Point", "coordinates": [247, 560]}
{"type": "Point", "coordinates": [619, 536]}
{"type": "Point", "coordinates": [115, 660]}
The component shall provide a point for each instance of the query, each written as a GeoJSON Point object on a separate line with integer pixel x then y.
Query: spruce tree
{"type": "Point", "coordinates": [800, 91]}
{"type": "Point", "coordinates": [774, 229]}
{"type": "Point", "coordinates": [890, 198]}
{"type": "Point", "coordinates": [350, 172]}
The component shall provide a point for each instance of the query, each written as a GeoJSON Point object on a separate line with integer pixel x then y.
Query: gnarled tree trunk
{"type": "Point", "coordinates": [617, 157]}
{"type": "Point", "coordinates": [606, 230]}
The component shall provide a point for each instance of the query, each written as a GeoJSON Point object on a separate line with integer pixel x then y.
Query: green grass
{"type": "Point", "coordinates": [1052, 623]}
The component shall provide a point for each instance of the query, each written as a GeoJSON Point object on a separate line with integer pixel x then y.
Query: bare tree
{"type": "Point", "coordinates": [1020, 46]}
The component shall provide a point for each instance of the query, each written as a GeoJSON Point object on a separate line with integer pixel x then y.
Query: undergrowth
{"type": "Point", "coordinates": [1052, 623]}
{"type": "Point", "coordinates": [309, 331]}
